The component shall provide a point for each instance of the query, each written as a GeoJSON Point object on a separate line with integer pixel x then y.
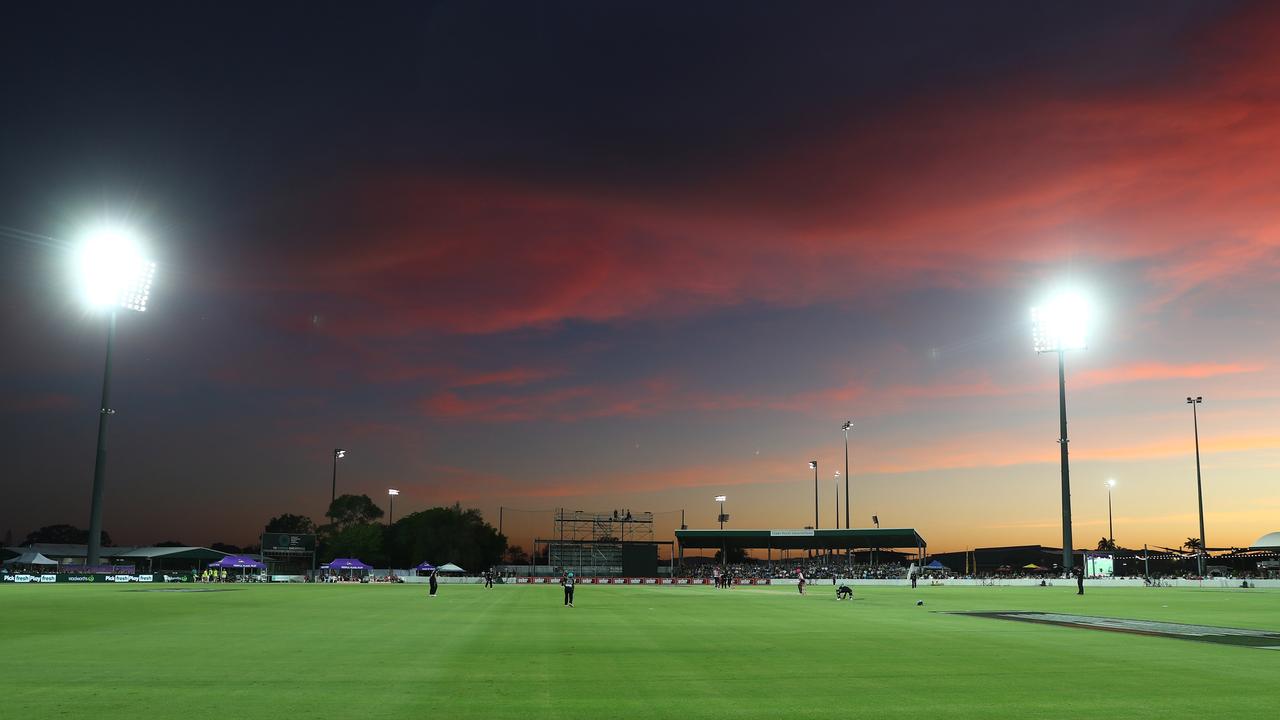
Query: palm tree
{"type": "Point", "coordinates": [1106, 544]}
{"type": "Point", "coordinates": [1192, 544]}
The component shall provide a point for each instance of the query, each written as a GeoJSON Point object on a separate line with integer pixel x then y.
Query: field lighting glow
{"type": "Point", "coordinates": [112, 269]}
{"type": "Point", "coordinates": [1062, 323]}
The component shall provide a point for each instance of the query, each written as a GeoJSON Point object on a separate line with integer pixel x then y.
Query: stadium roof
{"type": "Point", "coordinates": [1270, 541]}
{"type": "Point", "coordinates": [803, 539]}
{"type": "Point", "coordinates": [73, 551]}
{"type": "Point", "coordinates": [174, 553]}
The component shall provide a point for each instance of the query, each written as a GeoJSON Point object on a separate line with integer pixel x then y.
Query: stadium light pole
{"type": "Point", "coordinates": [391, 498]}
{"type": "Point", "coordinates": [724, 546]}
{"type": "Point", "coordinates": [837, 483]}
{"type": "Point", "coordinates": [113, 275]}
{"type": "Point", "coordinates": [1111, 527]}
{"type": "Point", "coordinates": [813, 464]}
{"type": "Point", "coordinates": [1195, 424]}
{"type": "Point", "coordinates": [338, 454]}
{"type": "Point", "coordinates": [846, 427]}
{"type": "Point", "coordinates": [1058, 326]}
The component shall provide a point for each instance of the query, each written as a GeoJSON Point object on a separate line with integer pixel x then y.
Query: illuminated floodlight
{"type": "Point", "coordinates": [339, 453]}
{"type": "Point", "coordinates": [392, 491]}
{"type": "Point", "coordinates": [1061, 324]}
{"type": "Point", "coordinates": [721, 498]}
{"type": "Point", "coordinates": [813, 464]}
{"type": "Point", "coordinates": [112, 270]}
{"type": "Point", "coordinates": [1111, 483]}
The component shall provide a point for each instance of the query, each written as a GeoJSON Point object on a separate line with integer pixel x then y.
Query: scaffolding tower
{"type": "Point", "coordinates": [593, 541]}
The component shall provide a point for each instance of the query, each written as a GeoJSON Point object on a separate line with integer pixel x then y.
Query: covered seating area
{"type": "Point", "coordinates": [784, 542]}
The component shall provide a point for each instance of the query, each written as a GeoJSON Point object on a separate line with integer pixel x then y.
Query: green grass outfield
{"type": "Point", "coordinates": [315, 651]}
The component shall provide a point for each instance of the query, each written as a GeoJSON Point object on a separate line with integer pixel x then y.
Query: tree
{"type": "Point", "coordinates": [443, 535]}
{"type": "Point", "coordinates": [224, 547]}
{"type": "Point", "coordinates": [1106, 544]}
{"type": "Point", "coordinates": [736, 555]}
{"type": "Point", "coordinates": [516, 555]}
{"type": "Point", "coordinates": [1192, 544]}
{"type": "Point", "coordinates": [358, 540]}
{"type": "Point", "coordinates": [291, 524]}
{"type": "Point", "coordinates": [170, 543]}
{"type": "Point", "coordinates": [67, 534]}
{"type": "Point", "coordinates": [352, 510]}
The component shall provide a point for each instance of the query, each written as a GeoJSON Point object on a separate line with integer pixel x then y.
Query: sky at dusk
{"type": "Point", "coordinates": [636, 255]}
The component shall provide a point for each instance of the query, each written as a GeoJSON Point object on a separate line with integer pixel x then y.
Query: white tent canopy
{"type": "Point", "coordinates": [450, 567]}
{"type": "Point", "coordinates": [30, 557]}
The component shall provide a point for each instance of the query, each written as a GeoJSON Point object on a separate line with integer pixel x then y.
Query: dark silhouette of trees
{"type": "Point", "coordinates": [292, 524]}
{"type": "Point", "coordinates": [67, 534]}
{"type": "Point", "coordinates": [445, 534]}
{"type": "Point", "coordinates": [1106, 544]}
{"type": "Point", "coordinates": [736, 555]}
{"type": "Point", "coordinates": [357, 540]}
{"type": "Point", "coordinates": [351, 510]}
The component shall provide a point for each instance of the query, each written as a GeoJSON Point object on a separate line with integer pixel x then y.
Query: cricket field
{"type": "Point", "coordinates": [636, 652]}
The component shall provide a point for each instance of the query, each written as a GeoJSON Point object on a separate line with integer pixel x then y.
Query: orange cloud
{"type": "Point", "coordinates": [1149, 371]}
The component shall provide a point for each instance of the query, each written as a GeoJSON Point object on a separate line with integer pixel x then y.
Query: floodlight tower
{"type": "Point", "coordinates": [813, 465]}
{"type": "Point", "coordinates": [391, 498]}
{"type": "Point", "coordinates": [724, 546]}
{"type": "Point", "coordinates": [338, 454]}
{"type": "Point", "coordinates": [846, 427]}
{"type": "Point", "coordinates": [113, 275]}
{"type": "Point", "coordinates": [1195, 423]}
{"type": "Point", "coordinates": [837, 484]}
{"type": "Point", "coordinates": [1111, 528]}
{"type": "Point", "coordinates": [1058, 326]}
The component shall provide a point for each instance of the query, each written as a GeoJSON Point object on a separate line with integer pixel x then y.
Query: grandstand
{"type": "Point", "coordinates": [785, 541]}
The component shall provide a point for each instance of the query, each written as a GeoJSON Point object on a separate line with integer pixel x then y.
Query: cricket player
{"type": "Point", "coordinates": [567, 582]}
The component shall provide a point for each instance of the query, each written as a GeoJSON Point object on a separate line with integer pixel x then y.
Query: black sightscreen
{"type": "Point", "coordinates": [639, 560]}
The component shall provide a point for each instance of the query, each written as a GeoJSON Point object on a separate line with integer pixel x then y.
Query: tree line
{"type": "Point", "coordinates": [439, 535]}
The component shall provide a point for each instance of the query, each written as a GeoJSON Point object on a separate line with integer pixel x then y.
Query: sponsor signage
{"type": "Point", "coordinates": [22, 578]}
{"type": "Point", "coordinates": [48, 578]}
{"type": "Point", "coordinates": [791, 533]}
{"type": "Point", "coordinates": [123, 578]}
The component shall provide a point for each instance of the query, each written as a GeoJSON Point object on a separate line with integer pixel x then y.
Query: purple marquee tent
{"type": "Point", "coordinates": [346, 564]}
{"type": "Point", "coordinates": [238, 561]}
